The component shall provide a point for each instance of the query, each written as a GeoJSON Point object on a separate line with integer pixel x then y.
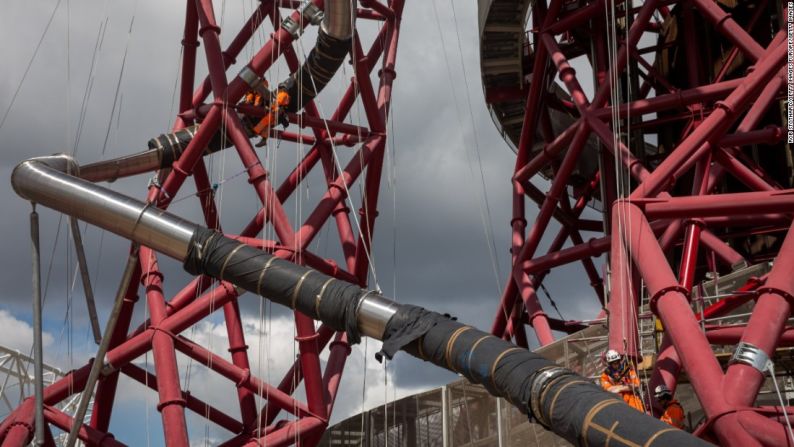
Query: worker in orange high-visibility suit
{"type": "Point", "coordinates": [621, 378]}
{"type": "Point", "coordinates": [276, 114]}
{"type": "Point", "coordinates": [673, 411]}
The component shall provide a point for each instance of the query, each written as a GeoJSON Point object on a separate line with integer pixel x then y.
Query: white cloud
{"type": "Point", "coordinates": [18, 334]}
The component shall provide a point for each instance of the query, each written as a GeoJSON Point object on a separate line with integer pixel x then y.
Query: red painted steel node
{"type": "Point", "coordinates": [285, 419]}
{"type": "Point", "coordinates": [673, 121]}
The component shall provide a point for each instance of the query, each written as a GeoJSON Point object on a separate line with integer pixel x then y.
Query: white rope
{"type": "Point", "coordinates": [771, 367]}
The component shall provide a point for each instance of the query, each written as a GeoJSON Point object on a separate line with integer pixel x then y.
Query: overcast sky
{"type": "Point", "coordinates": [431, 236]}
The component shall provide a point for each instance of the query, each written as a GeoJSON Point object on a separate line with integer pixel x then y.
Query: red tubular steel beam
{"type": "Point", "coordinates": [233, 50]}
{"type": "Point", "coordinates": [341, 213]}
{"type": "Point", "coordinates": [576, 18]}
{"type": "Point", "coordinates": [367, 92]}
{"type": "Point", "coordinates": [767, 322]}
{"type": "Point", "coordinates": [291, 433]}
{"type": "Point", "coordinates": [171, 405]}
{"type": "Point", "coordinates": [622, 305]}
{"type": "Point", "coordinates": [86, 434]}
{"type": "Point", "coordinates": [636, 31]}
{"type": "Point", "coordinates": [770, 433]}
{"type": "Point", "coordinates": [534, 97]}
{"type": "Point", "coordinates": [372, 180]}
{"type": "Point", "coordinates": [726, 26]}
{"type": "Point", "coordinates": [310, 365]}
{"type": "Point", "coordinates": [536, 315]}
{"type": "Point", "coordinates": [714, 126]}
{"type": "Point", "coordinates": [670, 304]}
{"type": "Point", "coordinates": [189, 45]}
{"type": "Point", "coordinates": [336, 191]}
{"type": "Point", "coordinates": [18, 427]}
{"type": "Point", "coordinates": [669, 101]}
{"type": "Point", "coordinates": [332, 377]}
{"type": "Point", "coordinates": [263, 59]}
{"type": "Point", "coordinates": [191, 314]}
{"type": "Point", "coordinates": [231, 310]}
{"type": "Point", "coordinates": [591, 248]}
{"type": "Point", "coordinates": [686, 274]}
{"type": "Point", "coordinates": [668, 364]}
{"type": "Point", "coordinates": [638, 171]}
{"type": "Point", "coordinates": [731, 335]}
{"type": "Point", "coordinates": [238, 350]}
{"type": "Point", "coordinates": [196, 405]}
{"type": "Point", "coordinates": [257, 175]}
{"type": "Point", "coordinates": [760, 202]}
{"type": "Point", "coordinates": [741, 172]}
{"type": "Point", "coordinates": [547, 154]}
{"type": "Point", "coordinates": [382, 9]}
{"type": "Point", "coordinates": [292, 378]}
{"type": "Point", "coordinates": [387, 73]}
{"type": "Point", "coordinates": [501, 326]}
{"type": "Point", "coordinates": [241, 377]}
{"type": "Point", "coordinates": [368, 213]}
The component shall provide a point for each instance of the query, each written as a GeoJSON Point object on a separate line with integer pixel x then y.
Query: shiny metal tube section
{"type": "Point", "coordinates": [45, 181]}
{"type": "Point", "coordinates": [129, 165]}
{"type": "Point", "coordinates": [340, 15]}
{"type": "Point", "coordinates": [373, 313]}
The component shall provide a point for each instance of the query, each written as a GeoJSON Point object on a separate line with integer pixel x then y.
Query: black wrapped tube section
{"type": "Point", "coordinates": [320, 66]}
{"type": "Point", "coordinates": [568, 404]}
{"type": "Point", "coordinates": [171, 145]}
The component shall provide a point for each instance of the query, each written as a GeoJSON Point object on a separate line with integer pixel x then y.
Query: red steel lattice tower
{"type": "Point", "coordinates": [682, 141]}
{"type": "Point", "coordinates": [225, 114]}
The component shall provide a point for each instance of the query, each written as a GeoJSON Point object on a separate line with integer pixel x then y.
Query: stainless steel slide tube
{"type": "Point", "coordinates": [45, 181]}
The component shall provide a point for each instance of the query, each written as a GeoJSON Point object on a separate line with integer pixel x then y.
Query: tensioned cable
{"type": "Point", "coordinates": [483, 200]}
{"type": "Point", "coordinates": [121, 76]}
{"type": "Point", "coordinates": [341, 172]}
{"type": "Point", "coordinates": [771, 367]}
{"type": "Point", "coordinates": [485, 220]}
{"type": "Point", "coordinates": [622, 170]}
{"type": "Point", "coordinates": [30, 64]}
{"type": "Point", "coordinates": [89, 87]}
{"type": "Point", "coordinates": [477, 151]}
{"type": "Point", "coordinates": [551, 301]}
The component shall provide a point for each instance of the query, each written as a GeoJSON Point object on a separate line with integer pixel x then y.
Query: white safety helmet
{"type": "Point", "coordinates": [612, 356]}
{"type": "Point", "coordinates": [662, 391]}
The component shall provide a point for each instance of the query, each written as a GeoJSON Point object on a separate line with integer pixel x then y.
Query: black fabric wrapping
{"type": "Point", "coordinates": [568, 412]}
{"type": "Point", "coordinates": [565, 405]}
{"type": "Point", "coordinates": [209, 251]}
{"type": "Point", "coordinates": [323, 61]}
{"type": "Point", "coordinates": [407, 325]}
{"type": "Point", "coordinates": [174, 143]}
{"type": "Point", "coordinates": [572, 406]}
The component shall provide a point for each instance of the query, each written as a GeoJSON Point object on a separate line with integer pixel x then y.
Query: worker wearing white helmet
{"type": "Point", "coordinates": [620, 377]}
{"type": "Point", "coordinates": [673, 412]}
